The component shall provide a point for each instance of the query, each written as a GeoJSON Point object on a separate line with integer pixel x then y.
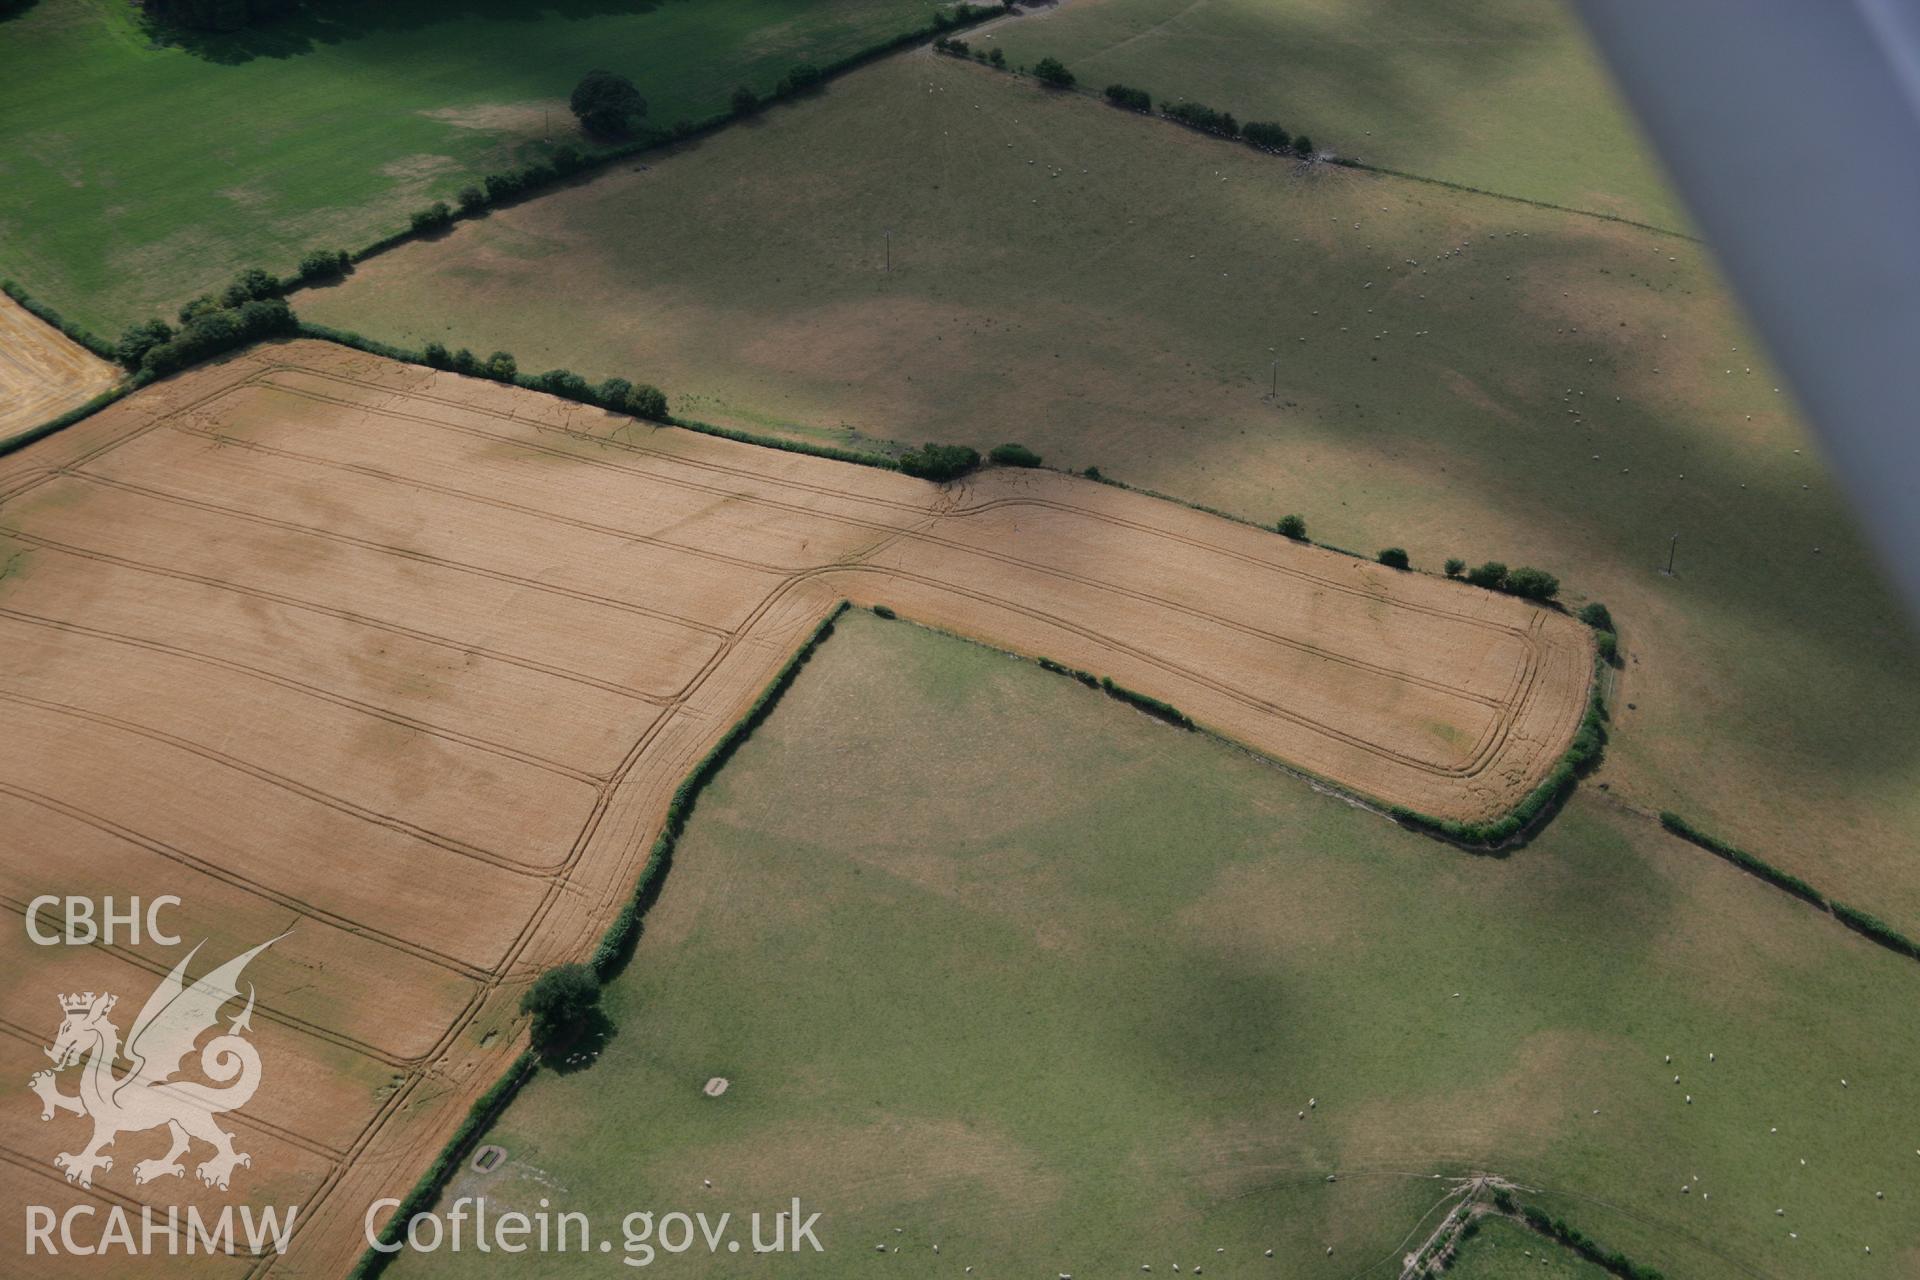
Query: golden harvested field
{"type": "Point", "coordinates": [410, 663]}
{"type": "Point", "coordinates": [43, 372]}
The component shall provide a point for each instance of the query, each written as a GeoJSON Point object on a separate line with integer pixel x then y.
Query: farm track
{"type": "Point", "coordinates": [43, 372]}
{"type": "Point", "coordinates": [412, 662]}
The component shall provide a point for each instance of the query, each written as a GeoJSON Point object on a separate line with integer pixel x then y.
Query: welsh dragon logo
{"type": "Point", "coordinates": [146, 1096]}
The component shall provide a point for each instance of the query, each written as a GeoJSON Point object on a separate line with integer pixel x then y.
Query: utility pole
{"type": "Point", "coordinates": [1672, 545]}
{"type": "Point", "coordinates": [1276, 380]}
{"type": "Point", "coordinates": [889, 235]}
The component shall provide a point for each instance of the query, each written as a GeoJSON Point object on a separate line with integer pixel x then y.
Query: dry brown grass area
{"type": "Point", "coordinates": [410, 663]}
{"type": "Point", "coordinates": [43, 372]}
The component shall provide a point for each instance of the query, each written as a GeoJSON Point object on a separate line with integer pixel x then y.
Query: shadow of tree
{"type": "Point", "coordinates": [311, 24]}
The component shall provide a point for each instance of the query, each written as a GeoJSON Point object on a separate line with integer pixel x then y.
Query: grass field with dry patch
{"type": "Point", "coordinates": [43, 372]}
{"type": "Point", "coordinates": [307, 636]}
{"type": "Point", "coordinates": [1457, 375]}
{"type": "Point", "coordinates": [995, 964]}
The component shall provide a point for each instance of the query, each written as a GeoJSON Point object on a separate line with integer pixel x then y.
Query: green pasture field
{"type": "Point", "coordinates": [1505, 1250]}
{"type": "Point", "coordinates": [136, 176]}
{"type": "Point", "coordinates": [1504, 95]}
{"type": "Point", "coordinates": [996, 963]}
{"type": "Point", "coordinates": [1115, 292]}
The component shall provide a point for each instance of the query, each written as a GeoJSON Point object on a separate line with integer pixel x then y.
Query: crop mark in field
{"type": "Point", "coordinates": [353, 500]}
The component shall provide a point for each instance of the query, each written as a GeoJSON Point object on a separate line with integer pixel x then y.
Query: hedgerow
{"type": "Point", "coordinates": [480, 1116]}
{"type": "Point", "coordinates": [565, 160]}
{"type": "Point", "coordinates": [1013, 455]}
{"type": "Point", "coordinates": [1145, 702]}
{"type": "Point", "coordinates": [1877, 929]}
{"type": "Point", "coordinates": [79, 333]}
{"type": "Point", "coordinates": [616, 945]}
{"type": "Point", "coordinates": [1592, 1250]}
{"type": "Point", "coordinates": [1128, 98]}
{"type": "Point", "coordinates": [1739, 857]}
{"type": "Point", "coordinates": [1204, 118]}
{"type": "Point", "coordinates": [939, 462]}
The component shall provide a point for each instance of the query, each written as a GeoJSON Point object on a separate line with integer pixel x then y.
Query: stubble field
{"type": "Point", "coordinates": [306, 637]}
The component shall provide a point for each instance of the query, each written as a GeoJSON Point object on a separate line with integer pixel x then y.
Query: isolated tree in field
{"type": "Point", "coordinates": [1053, 73]}
{"type": "Point", "coordinates": [1455, 566]}
{"type": "Point", "coordinates": [560, 1000]}
{"type": "Point", "coordinates": [607, 104]}
{"type": "Point", "coordinates": [1292, 527]}
{"type": "Point", "coordinates": [1492, 575]}
{"type": "Point", "coordinates": [1395, 558]}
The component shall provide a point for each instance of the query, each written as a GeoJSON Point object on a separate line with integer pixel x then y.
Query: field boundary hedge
{"type": "Point", "coordinates": [610, 954]}
{"type": "Point", "coordinates": [1563, 1233]}
{"type": "Point", "coordinates": [533, 382]}
{"type": "Point", "coordinates": [1866, 924]}
{"type": "Point", "coordinates": [1347, 162]}
{"type": "Point", "coordinates": [567, 164]}
{"type": "Point", "coordinates": [615, 947]}
{"type": "Point", "coordinates": [41, 311]}
{"type": "Point", "coordinates": [480, 1117]}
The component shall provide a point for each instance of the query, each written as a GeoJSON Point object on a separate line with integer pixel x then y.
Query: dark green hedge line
{"type": "Point", "coordinates": [1611, 1260]}
{"type": "Point", "coordinates": [567, 161]}
{"type": "Point", "coordinates": [578, 389]}
{"type": "Point", "coordinates": [1773, 875]}
{"type": "Point", "coordinates": [85, 337]}
{"type": "Point", "coordinates": [485, 1109]}
{"type": "Point", "coordinates": [71, 416]}
{"type": "Point", "coordinates": [1864, 923]}
{"type": "Point", "coordinates": [1589, 741]}
{"type": "Point", "coordinates": [616, 945]}
{"type": "Point", "coordinates": [1145, 702]}
{"type": "Point", "coordinates": [1875, 928]}
{"type": "Point", "coordinates": [1086, 678]}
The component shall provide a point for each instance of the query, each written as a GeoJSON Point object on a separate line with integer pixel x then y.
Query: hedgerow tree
{"type": "Point", "coordinates": [744, 101]}
{"type": "Point", "coordinates": [1303, 146]}
{"type": "Point", "coordinates": [216, 15]}
{"type": "Point", "coordinates": [1014, 455]}
{"type": "Point", "coordinates": [1131, 99]}
{"type": "Point", "coordinates": [646, 401]}
{"type": "Point", "coordinates": [502, 365]}
{"type": "Point", "coordinates": [1533, 584]}
{"type": "Point", "coordinates": [1596, 616]}
{"type": "Point", "coordinates": [607, 104]}
{"type": "Point", "coordinates": [140, 339]}
{"type": "Point", "coordinates": [1394, 558]}
{"type": "Point", "coordinates": [1266, 135]}
{"type": "Point", "coordinates": [1492, 575]}
{"type": "Point", "coordinates": [560, 1000]}
{"type": "Point", "coordinates": [325, 264]}
{"type": "Point", "coordinates": [1455, 566]}
{"type": "Point", "coordinates": [1293, 527]}
{"type": "Point", "coordinates": [1053, 73]}
{"type": "Point", "coordinates": [939, 462]}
